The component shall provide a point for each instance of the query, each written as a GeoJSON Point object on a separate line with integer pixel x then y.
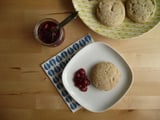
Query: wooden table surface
{"type": "Point", "coordinates": [26, 93]}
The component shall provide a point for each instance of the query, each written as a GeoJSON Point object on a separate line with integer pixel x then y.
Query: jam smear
{"type": "Point", "coordinates": [45, 32]}
{"type": "Point", "coordinates": [80, 79]}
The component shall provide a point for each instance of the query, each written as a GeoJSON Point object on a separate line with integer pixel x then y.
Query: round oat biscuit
{"type": "Point", "coordinates": [105, 75]}
{"type": "Point", "coordinates": [110, 12]}
{"type": "Point", "coordinates": [140, 11]}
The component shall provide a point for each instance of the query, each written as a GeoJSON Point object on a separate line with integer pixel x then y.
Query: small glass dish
{"type": "Point", "coordinates": [45, 34]}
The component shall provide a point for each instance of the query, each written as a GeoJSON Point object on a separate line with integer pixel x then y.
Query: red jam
{"type": "Point", "coordinates": [80, 79]}
{"type": "Point", "coordinates": [46, 35]}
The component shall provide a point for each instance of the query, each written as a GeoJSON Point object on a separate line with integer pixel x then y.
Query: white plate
{"type": "Point", "coordinates": [96, 100]}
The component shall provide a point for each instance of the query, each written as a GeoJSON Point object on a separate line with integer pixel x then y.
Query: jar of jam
{"type": "Point", "coordinates": [46, 34]}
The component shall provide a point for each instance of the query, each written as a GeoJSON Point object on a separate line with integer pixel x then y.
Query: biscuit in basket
{"type": "Point", "coordinates": [140, 11]}
{"type": "Point", "coordinates": [105, 75]}
{"type": "Point", "coordinates": [110, 12]}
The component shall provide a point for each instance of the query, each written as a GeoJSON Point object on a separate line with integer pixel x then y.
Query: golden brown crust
{"type": "Point", "coordinates": [110, 12]}
{"type": "Point", "coordinates": [140, 11]}
{"type": "Point", "coordinates": [105, 75]}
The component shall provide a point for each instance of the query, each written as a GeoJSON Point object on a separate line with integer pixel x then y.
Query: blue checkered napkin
{"type": "Point", "coordinates": [55, 65]}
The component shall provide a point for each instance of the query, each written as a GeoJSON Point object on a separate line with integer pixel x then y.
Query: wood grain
{"type": "Point", "coordinates": [27, 93]}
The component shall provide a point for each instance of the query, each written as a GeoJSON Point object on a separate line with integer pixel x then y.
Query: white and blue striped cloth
{"type": "Point", "coordinates": [55, 65]}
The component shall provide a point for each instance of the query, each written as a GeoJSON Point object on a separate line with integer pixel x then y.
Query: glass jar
{"type": "Point", "coordinates": [44, 32]}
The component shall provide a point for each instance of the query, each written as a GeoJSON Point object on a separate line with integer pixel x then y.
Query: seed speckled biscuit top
{"type": "Point", "coordinates": [105, 75]}
{"type": "Point", "coordinates": [140, 11]}
{"type": "Point", "coordinates": [110, 12]}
